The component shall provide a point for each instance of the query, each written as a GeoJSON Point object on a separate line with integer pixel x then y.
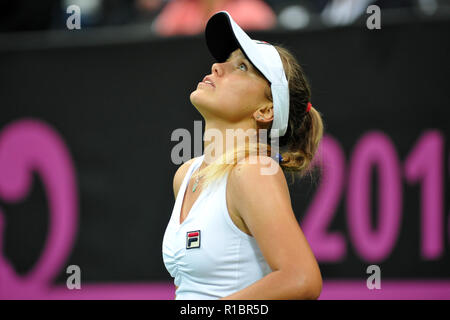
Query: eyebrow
{"type": "Point", "coordinates": [242, 56]}
{"type": "Point", "coordinates": [251, 66]}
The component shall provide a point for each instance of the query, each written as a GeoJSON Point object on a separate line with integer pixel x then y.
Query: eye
{"type": "Point", "coordinates": [244, 65]}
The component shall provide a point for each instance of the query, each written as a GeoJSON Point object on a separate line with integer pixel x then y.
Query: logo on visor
{"type": "Point", "coordinates": [261, 42]}
{"type": "Point", "coordinates": [193, 239]}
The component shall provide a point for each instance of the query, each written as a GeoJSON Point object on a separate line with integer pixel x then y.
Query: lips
{"type": "Point", "coordinates": [208, 80]}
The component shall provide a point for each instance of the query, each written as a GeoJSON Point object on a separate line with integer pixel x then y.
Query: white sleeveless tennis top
{"type": "Point", "coordinates": [208, 255]}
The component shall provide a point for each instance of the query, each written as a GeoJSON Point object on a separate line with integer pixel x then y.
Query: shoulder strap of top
{"type": "Point", "coordinates": [182, 190]}
{"type": "Point", "coordinates": [195, 164]}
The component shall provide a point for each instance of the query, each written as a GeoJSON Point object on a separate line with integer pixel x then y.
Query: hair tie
{"type": "Point", "coordinates": [308, 107]}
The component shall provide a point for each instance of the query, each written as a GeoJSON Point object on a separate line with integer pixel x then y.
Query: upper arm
{"type": "Point", "coordinates": [263, 202]}
{"type": "Point", "coordinates": [179, 176]}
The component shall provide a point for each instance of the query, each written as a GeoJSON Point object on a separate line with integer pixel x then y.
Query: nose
{"type": "Point", "coordinates": [217, 69]}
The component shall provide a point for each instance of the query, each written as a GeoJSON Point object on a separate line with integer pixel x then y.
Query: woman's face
{"type": "Point", "coordinates": [238, 90]}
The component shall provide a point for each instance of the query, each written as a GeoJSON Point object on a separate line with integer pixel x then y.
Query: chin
{"type": "Point", "coordinates": [193, 96]}
{"type": "Point", "coordinates": [196, 99]}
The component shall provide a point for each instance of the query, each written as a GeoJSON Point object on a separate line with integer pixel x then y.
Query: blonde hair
{"type": "Point", "coordinates": [300, 142]}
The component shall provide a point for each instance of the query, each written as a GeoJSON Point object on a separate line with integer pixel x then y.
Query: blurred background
{"type": "Point", "coordinates": [187, 17]}
{"type": "Point", "coordinates": [88, 110]}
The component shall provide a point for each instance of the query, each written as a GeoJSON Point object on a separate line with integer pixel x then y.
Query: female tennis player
{"type": "Point", "coordinates": [233, 233]}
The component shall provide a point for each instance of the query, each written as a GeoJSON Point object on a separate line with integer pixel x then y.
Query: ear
{"type": "Point", "coordinates": [264, 115]}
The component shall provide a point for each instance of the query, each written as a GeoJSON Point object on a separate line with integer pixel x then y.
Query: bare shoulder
{"type": "Point", "coordinates": [254, 179]}
{"type": "Point", "coordinates": [257, 169]}
{"type": "Point", "coordinates": [180, 174]}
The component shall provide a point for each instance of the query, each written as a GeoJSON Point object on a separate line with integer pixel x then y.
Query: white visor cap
{"type": "Point", "coordinates": [223, 36]}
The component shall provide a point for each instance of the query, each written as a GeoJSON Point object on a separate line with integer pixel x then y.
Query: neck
{"type": "Point", "coordinates": [215, 137]}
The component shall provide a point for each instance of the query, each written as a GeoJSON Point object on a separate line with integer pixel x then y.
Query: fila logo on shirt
{"type": "Point", "coordinates": [193, 239]}
{"type": "Point", "coordinates": [261, 42]}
